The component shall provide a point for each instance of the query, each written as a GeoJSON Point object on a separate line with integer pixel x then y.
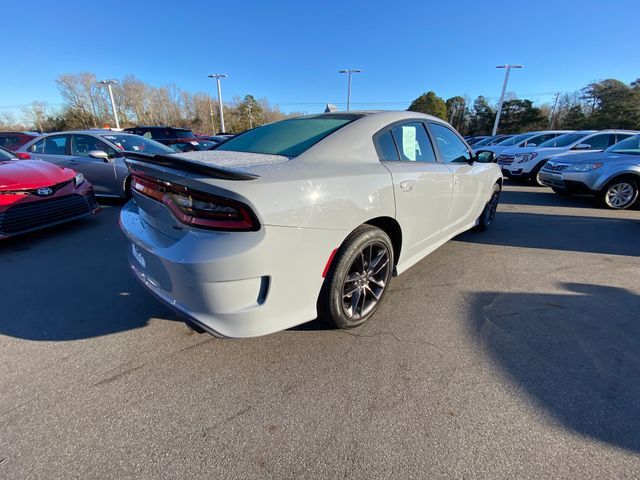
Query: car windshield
{"type": "Point", "coordinates": [563, 140]}
{"type": "Point", "coordinates": [136, 143]}
{"type": "Point", "coordinates": [6, 155]}
{"type": "Point", "coordinates": [288, 137]}
{"type": "Point", "coordinates": [515, 140]}
{"type": "Point", "coordinates": [501, 138]}
{"type": "Point", "coordinates": [629, 146]}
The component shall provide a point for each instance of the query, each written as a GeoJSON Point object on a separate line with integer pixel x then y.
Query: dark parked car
{"type": "Point", "coordinates": [190, 144]}
{"type": "Point", "coordinates": [14, 140]}
{"type": "Point", "coordinates": [161, 134]}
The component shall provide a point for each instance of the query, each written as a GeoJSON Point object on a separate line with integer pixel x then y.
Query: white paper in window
{"type": "Point", "coordinates": [409, 142]}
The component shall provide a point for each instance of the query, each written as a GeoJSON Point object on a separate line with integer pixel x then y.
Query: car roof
{"type": "Point", "coordinates": [158, 126]}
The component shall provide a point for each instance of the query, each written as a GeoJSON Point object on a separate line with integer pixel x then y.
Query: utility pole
{"type": "Point", "coordinates": [504, 89]}
{"type": "Point", "coordinates": [349, 72]}
{"type": "Point", "coordinates": [218, 76]}
{"type": "Point", "coordinates": [553, 112]}
{"type": "Point", "coordinates": [213, 125]}
{"type": "Point", "coordinates": [108, 83]}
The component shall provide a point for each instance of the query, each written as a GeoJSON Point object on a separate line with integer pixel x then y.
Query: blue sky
{"type": "Point", "coordinates": [290, 51]}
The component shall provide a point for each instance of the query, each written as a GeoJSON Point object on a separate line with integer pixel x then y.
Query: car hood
{"type": "Point", "coordinates": [592, 157]}
{"type": "Point", "coordinates": [28, 174]}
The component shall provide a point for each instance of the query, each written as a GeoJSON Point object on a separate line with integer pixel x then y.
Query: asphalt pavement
{"type": "Point", "coordinates": [513, 353]}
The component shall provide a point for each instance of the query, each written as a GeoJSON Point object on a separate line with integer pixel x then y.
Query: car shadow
{"type": "Point", "coordinates": [72, 282]}
{"type": "Point", "coordinates": [577, 354]}
{"type": "Point", "coordinates": [560, 232]}
{"type": "Point", "coordinates": [544, 197]}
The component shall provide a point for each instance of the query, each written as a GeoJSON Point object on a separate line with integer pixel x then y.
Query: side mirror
{"type": "Point", "coordinates": [582, 146]}
{"type": "Point", "coordinates": [99, 154]}
{"type": "Point", "coordinates": [485, 156]}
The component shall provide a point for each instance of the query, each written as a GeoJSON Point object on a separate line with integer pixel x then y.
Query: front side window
{"type": "Point", "coordinates": [413, 142]}
{"type": "Point", "coordinates": [290, 137]}
{"type": "Point", "coordinates": [509, 142]}
{"type": "Point", "coordinates": [81, 145]}
{"type": "Point", "coordinates": [598, 142]}
{"type": "Point", "coordinates": [563, 140]}
{"type": "Point", "coordinates": [540, 139]}
{"type": "Point", "coordinates": [452, 148]}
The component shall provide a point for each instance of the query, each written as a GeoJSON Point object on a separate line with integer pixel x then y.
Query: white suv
{"type": "Point", "coordinates": [529, 139]}
{"type": "Point", "coordinates": [525, 163]}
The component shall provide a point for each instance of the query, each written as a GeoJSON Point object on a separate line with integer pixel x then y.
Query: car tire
{"type": "Point", "coordinates": [489, 212]}
{"type": "Point", "coordinates": [620, 193]}
{"type": "Point", "coordinates": [561, 191]}
{"type": "Point", "coordinates": [358, 278]}
{"type": "Point", "coordinates": [535, 177]}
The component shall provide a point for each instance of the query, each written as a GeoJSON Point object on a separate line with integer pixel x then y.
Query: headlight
{"type": "Point", "coordinates": [79, 179]}
{"type": "Point", "coordinates": [525, 157]}
{"type": "Point", "coordinates": [583, 167]}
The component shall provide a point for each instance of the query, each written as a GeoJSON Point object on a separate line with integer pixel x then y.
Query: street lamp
{"type": "Point", "coordinates": [218, 76]}
{"type": "Point", "coordinates": [504, 88]}
{"type": "Point", "coordinates": [349, 71]}
{"type": "Point", "coordinates": [108, 83]}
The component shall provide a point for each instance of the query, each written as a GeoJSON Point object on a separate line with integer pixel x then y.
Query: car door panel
{"type": "Point", "coordinates": [469, 179]}
{"type": "Point", "coordinates": [101, 173]}
{"type": "Point", "coordinates": [422, 186]}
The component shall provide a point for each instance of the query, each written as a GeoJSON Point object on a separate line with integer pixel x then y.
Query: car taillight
{"type": "Point", "coordinates": [197, 208]}
{"type": "Point", "coordinates": [23, 155]}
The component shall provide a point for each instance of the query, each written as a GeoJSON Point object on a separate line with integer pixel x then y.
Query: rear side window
{"type": "Point", "coordinates": [413, 142]}
{"type": "Point", "coordinates": [51, 145]}
{"type": "Point", "coordinates": [452, 148]}
{"type": "Point", "coordinates": [288, 137]}
{"type": "Point", "coordinates": [386, 147]}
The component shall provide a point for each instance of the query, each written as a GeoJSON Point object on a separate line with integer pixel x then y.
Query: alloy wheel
{"type": "Point", "coordinates": [620, 195]}
{"type": "Point", "coordinates": [492, 207]}
{"type": "Point", "coordinates": [366, 280]}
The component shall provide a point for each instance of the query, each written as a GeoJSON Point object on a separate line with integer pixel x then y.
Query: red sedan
{"type": "Point", "coordinates": [36, 194]}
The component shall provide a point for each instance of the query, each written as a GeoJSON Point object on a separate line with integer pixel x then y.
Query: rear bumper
{"type": "Point", "coordinates": [232, 284]}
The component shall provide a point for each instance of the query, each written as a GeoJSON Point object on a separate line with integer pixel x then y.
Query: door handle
{"type": "Point", "coordinates": [406, 185]}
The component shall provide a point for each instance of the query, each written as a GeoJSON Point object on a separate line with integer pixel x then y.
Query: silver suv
{"type": "Point", "coordinates": [613, 175]}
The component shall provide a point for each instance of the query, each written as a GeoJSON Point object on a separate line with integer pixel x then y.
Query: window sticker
{"type": "Point", "coordinates": [409, 142]}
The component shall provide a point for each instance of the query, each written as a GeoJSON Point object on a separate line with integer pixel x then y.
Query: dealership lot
{"type": "Point", "coordinates": [513, 353]}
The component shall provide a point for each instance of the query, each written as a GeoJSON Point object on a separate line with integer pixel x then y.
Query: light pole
{"type": "Point", "coordinates": [504, 89]}
{"type": "Point", "coordinates": [349, 71]}
{"type": "Point", "coordinates": [218, 76]}
{"type": "Point", "coordinates": [108, 83]}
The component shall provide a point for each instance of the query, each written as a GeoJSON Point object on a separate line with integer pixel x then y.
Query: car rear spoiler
{"type": "Point", "coordinates": [179, 163]}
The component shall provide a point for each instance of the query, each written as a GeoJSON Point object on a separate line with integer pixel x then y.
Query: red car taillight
{"type": "Point", "coordinates": [23, 155]}
{"type": "Point", "coordinates": [197, 208]}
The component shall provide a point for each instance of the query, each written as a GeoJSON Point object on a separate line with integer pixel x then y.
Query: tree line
{"type": "Point", "coordinates": [608, 103]}
{"type": "Point", "coordinates": [86, 104]}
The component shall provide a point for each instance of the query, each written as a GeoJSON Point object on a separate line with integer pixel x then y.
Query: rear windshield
{"type": "Point", "coordinates": [288, 137]}
{"type": "Point", "coordinates": [563, 140]}
{"type": "Point", "coordinates": [136, 143]}
{"type": "Point", "coordinates": [630, 146]}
